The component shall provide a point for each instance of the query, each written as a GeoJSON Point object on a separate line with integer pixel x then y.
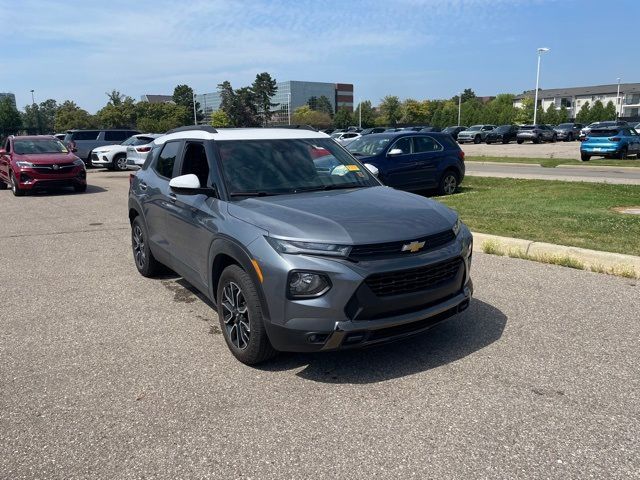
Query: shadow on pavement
{"type": "Point", "coordinates": [479, 326]}
{"type": "Point", "coordinates": [54, 192]}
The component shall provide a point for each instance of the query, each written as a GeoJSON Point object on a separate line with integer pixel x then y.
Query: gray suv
{"type": "Point", "coordinates": [475, 133]}
{"type": "Point", "coordinates": [295, 257]}
{"type": "Point", "coordinates": [81, 142]}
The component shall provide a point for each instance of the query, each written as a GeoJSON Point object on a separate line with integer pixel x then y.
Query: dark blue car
{"type": "Point", "coordinates": [413, 160]}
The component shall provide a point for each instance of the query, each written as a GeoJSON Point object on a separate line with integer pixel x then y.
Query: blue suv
{"type": "Point", "coordinates": [413, 161]}
{"type": "Point", "coordinates": [614, 141]}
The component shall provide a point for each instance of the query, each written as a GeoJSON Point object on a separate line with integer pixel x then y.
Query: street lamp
{"type": "Point", "coordinates": [289, 107]}
{"type": "Point", "coordinates": [360, 113]}
{"type": "Point", "coordinates": [535, 102]}
{"type": "Point", "coordinates": [618, 103]}
{"type": "Point", "coordinates": [195, 115]}
{"type": "Point", "coordinates": [33, 99]}
{"type": "Point", "coordinates": [459, 107]}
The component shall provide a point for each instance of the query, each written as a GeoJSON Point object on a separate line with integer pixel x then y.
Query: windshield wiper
{"type": "Point", "coordinates": [251, 194]}
{"type": "Point", "coordinates": [329, 187]}
{"type": "Point", "coordinates": [357, 154]}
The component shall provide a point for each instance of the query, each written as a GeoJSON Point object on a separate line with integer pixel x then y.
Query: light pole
{"type": "Point", "coordinates": [535, 102]}
{"type": "Point", "coordinates": [33, 98]}
{"type": "Point", "coordinates": [618, 104]}
{"type": "Point", "coordinates": [459, 107]}
{"type": "Point", "coordinates": [360, 113]}
{"type": "Point", "coordinates": [289, 107]}
{"type": "Point", "coordinates": [195, 115]}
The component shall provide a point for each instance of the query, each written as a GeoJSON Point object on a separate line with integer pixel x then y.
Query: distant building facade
{"type": "Point", "coordinates": [290, 95]}
{"type": "Point", "coordinates": [157, 98]}
{"type": "Point", "coordinates": [10, 96]}
{"type": "Point", "coordinates": [573, 98]}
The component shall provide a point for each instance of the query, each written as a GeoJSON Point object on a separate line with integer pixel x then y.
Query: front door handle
{"type": "Point", "coordinates": [143, 185]}
{"type": "Point", "coordinates": [172, 197]}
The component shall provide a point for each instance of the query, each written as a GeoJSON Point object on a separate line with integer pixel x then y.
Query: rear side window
{"type": "Point", "coordinates": [167, 159]}
{"type": "Point", "coordinates": [85, 135]}
{"type": "Point", "coordinates": [152, 156]}
{"type": "Point", "coordinates": [425, 144]}
{"type": "Point", "coordinates": [118, 136]}
{"type": "Point", "coordinates": [603, 133]}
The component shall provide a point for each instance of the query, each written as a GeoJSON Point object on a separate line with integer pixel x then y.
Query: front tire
{"type": "Point", "coordinates": [240, 316]}
{"type": "Point", "coordinates": [3, 186]}
{"type": "Point", "coordinates": [15, 188]}
{"type": "Point", "coordinates": [519, 141]}
{"type": "Point", "coordinates": [120, 163]}
{"type": "Point", "coordinates": [145, 262]}
{"type": "Point", "coordinates": [448, 183]}
{"type": "Point", "coordinates": [80, 188]}
{"type": "Point", "coordinates": [584, 157]}
{"type": "Point", "coordinates": [554, 139]}
{"type": "Point", "coordinates": [477, 139]}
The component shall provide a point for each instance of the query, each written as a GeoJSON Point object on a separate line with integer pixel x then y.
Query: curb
{"type": "Point", "coordinates": [602, 167]}
{"type": "Point", "coordinates": [595, 260]}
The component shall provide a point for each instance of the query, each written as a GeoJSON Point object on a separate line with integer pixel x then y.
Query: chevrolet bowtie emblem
{"type": "Point", "coordinates": [413, 247]}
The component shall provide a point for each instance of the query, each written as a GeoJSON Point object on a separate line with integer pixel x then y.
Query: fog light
{"type": "Point", "coordinates": [308, 284]}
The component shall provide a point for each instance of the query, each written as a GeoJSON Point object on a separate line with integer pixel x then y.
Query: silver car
{"type": "Point", "coordinates": [294, 256]}
{"type": "Point", "coordinates": [475, 133]}
{"type": "Point", "coordinates": [82, 142]}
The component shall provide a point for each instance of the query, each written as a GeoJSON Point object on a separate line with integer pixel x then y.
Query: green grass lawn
{"type": "Point", "coordinates": [554, 162]}
{"type": "Point", "coordinates": [566, 213]}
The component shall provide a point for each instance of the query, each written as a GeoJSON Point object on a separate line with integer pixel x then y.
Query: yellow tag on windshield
{"type": "Point", "coordinates": [353, 168]}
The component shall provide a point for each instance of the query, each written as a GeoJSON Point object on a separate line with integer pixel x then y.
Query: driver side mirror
{"type": "Point", "coordinates": [190, 185]}
{"type": "Point", "coordinates": [2, 151]}
{"type": "Point", "coordinates": [395, 151]}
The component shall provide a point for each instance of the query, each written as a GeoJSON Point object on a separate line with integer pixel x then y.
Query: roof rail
{"type": "Point", "coordinates": [204, 128]}
{"type": "Point", "coordinates": [300, 127]}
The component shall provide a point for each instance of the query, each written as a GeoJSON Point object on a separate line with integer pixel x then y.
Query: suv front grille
{"type": "Point", "coordinates": [413, 280]}
{"type": "Point", "coordinates": [49, 170]}
{"type": "Point", "coordinates": [376, 250]}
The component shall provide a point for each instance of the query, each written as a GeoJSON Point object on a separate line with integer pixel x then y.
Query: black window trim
{"type": "Point", "coordinates": [397, 140]}
{"type": "Point", "coordinates": [180, 143]}
{"type": "Point", "coordinates": [180, 159]}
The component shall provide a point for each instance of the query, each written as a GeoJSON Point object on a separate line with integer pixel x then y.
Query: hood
{"type": "Point", "coordinates": [361, 216]}
{"type": "Point", "coordinates": [47, 158]}
{"type": "Point", "coordinates": [109, 148]}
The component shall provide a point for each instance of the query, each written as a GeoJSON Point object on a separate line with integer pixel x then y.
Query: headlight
{"type": "Point", "coordinates": [311, 248]}
{"type": "Point", "coordinates": [25, 164]}
{"type": "Point", "coordinates": [457, 226]}
{"type": "Point", "coordinates": [78, 162]}
{"type": "Point", "coordinates": [307, 285]}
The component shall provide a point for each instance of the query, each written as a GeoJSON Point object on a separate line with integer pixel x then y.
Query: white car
{"type": "Point", "coordinates": [345, 138]}
{"type": "Point", "coordinates": [114, 157]}
{"type": "Point", "coordinates": [137, 154]}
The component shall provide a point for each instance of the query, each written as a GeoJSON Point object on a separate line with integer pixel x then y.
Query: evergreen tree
{"type": "Point", "coordinates": [597, 112]}
{"type": "Point", "coordinates": [610, 111]}
{"type": "Point", "coordinates": [263, 89]}
{"type": "Point", "coordinates": [391, 109]}
{"type": "Point", "coordinates": [343, 118]}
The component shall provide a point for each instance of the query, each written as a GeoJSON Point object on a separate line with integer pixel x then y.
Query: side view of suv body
{"type": "Point", "coordinates": [295, 257]}
{"type": "Point", "coordinates": [503, 134]}
{"type": "Point", "coordinates": [475, 133]}
{"type": "Point", "coordinates": [82, 142]}
{"type": "Point", "coordinates": [568, 132]}
{"type": "Point", "coordinates": [536, 134]}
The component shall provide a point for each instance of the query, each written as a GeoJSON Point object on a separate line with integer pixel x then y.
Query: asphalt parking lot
{"type": "Point", "coordinates": [527, 150]}
{"type": "Point", "coordinates": [106, 374]}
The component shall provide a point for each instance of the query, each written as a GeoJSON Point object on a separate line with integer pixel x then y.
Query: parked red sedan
{"type": "Point", "coordinates": [29, 163]}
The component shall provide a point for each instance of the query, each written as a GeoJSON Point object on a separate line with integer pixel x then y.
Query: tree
{"type": "Point", "coordinates": [468, 94]}
{"type": "Point", "coordinates": [525, 114]}
{"type": "Point", "coordinates": [584, 114]}
{"type": "Point", "coordinates": [500, 110]}
{"type": "Point", "coordinates": [368, 114]}
{"type": "Point", "coordinates": [414, 112]}
{"type": "Point", "coordinates": [31, 118]}
{"type": "Point", "coordinates": [597, 112]}
{"type": "Point", "coordinates": [160, 117]}
{"type": "Point", "coordinates": [551, 115]}
{"type": "Point", "coordinates": [563, 115]}
{"type": "Point", "coordinates": [312, 103]}
{"type": "Point", "coordinates": [610, 111]}
{"type": "Point", "coordinates": [119, 112]}
{"type": "Point", "coordinates": [219, 119]}
{"type": "Point", "coordinates": [69, 116]}
{"type": "Point", "coordinates": [324, 105]}
{"type": "Point", "coordinates": [305, 115]}
{"type": "Point", "coordinates": [183, 95]}
{"type": "Point", "coordinates": [263, 89]}
{"type": "Point", "coordinates": [10, 120]}
{"type": "Point", "coordinates": [343, 118]}
{"type": "Point", "coordinates": [391, 109]}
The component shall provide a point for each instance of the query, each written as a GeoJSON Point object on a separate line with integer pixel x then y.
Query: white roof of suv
{"type": "Point", "coordinates": [243, 134]}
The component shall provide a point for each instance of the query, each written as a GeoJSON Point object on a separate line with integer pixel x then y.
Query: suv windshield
{"type": "Point", "coordinates": [605, 132]}
{"type": "Point", "coordinates": [273, 167]}
{"type": "Point", "coordinates": [36, 147]}
{"type": "Point", "coordinates": [503, 128]}
{"type": "Point", "coordinates": [565, 125]}
{"type": "Point", "coordinates": [368, 145]}
{"type": "Point", "coordinates": [474, 128]}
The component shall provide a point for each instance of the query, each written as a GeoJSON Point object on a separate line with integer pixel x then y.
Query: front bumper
{"type": "Point", "coordinates": [354, 313]}
{"type": "Point", "coordinates": [134, 163]}
{"type": "Point", "coordinates": [32, 179]}
{"type": "Point", "coordinates": [101, 160]}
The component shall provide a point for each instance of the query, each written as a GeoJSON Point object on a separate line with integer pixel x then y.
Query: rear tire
{"type": "Point", "coordinates": [537, 140]}
{"type": "Point", "coordinates": [584, 157]}
{"type": "Point", "coordinates": [519, 141]}
{"type": "Point", "coordinates": [240, 316]}
{"type": "Point", "coordinates": [554, 139]}
{"type": "Point", "coordinates": [3, 186]}
{"type": "Point", "coordinates": [15, 188]}
{"type": "Point", "coordinates": [80, 188]}
{"type": "Point", "coordinates": [570, 137]}
{"type": "Point", "coordinates": [624, 153]}
{"type": "Point", "coordinates": [145, 262]}
{"type": "Point", "coordinates": [488, 142]}
{"type": "Point", "coordinates": [448, 183]}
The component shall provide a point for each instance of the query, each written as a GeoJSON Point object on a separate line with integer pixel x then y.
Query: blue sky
{"type": "Point", "coordinates": [79, 50]}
